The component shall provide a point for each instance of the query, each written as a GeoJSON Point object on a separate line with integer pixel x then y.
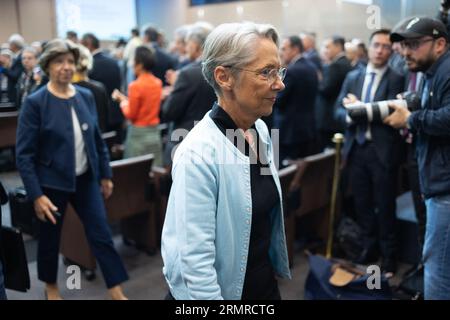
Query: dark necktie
{"type": "Point", "coordinates": [361, 133]}
{"type": "Point", "coordinates": [413, 82]}
{"type": "Point", "coordinates": [425, 92]}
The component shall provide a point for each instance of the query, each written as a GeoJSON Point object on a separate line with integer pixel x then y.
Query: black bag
{"type": "Point", "coordinates": [348, 238]}
{"type": "Point", "coordinates": [23, 216]}
{"type": "Point", "coordinates": [338, 280]}
{"type": "Point", "coordinates": [15, 265]}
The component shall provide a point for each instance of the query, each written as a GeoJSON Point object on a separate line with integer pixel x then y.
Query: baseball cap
{"type": "Point", "coordinates": [418, 27]}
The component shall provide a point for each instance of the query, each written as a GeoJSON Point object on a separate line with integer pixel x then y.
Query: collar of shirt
{"type": "Point", "coordinates": [295, 59]}
{"type": "Point", "coordinates": [224, 122]}
{"type": "Point", "coordinates": [96, 51]}
{"type": "Point", "coordinates": [338, 56]}
{"type": "Point", "coordinates": [432, 70]}
{"type": "Point", "coordinates": [379, 72]}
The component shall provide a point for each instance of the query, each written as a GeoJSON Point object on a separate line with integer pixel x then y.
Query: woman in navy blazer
{"type": "Point", "coordinates": [62, 158]}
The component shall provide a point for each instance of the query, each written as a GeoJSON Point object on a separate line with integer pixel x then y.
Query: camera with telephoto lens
{"type": "Point", "coordinates": [445, 4]}
{"type": "Point", "coordinates": [375, 112]}
{"type": "Point", "coordinates": [443, 12]}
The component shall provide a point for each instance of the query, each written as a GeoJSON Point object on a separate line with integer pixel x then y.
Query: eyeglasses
{"type": "Point", "coordinates": [414, 44]}
{"type": "Point", "coordinates": [268, 74]}
{"type": "Point", "coordinates": [376, 45]}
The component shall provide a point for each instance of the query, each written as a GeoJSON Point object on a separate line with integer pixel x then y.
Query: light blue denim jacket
{"type": "Point", "coordinates": [206, 231]}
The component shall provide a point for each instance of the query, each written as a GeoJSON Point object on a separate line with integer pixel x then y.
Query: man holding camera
{"type": "Point", "coordinates": [372, 152]}
{"type": "Point", "coordinates": [424, 43]}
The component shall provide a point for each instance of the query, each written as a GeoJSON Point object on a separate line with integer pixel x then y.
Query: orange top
{"type": "Point", "coordinates": [144, 101]}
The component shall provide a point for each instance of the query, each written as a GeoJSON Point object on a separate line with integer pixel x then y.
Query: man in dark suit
{"type": "Point", "coordinates": [333, 76]}
{"type": "Point", "coordinates": [310, 52]}
{"type": "Point", "coordinates": [293, 112]}
{"type": "Point", "coordinates": [164, 61]}
{"type": "Point", "coordinates": [372, 152]}
{"type": "Point", "coordinates": [105, 70]}
{"type": "Point", "coordinates": [191, 96]}
{"type": "Point", "coordinates": [13, 72]}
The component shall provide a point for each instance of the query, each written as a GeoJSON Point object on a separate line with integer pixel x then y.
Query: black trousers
{"type": "Point", "coordinates": [419, 203]}
{"type": "Point", "coordinates": [88, 204]}
{"type": "Point", "coordinates": [374, 186]}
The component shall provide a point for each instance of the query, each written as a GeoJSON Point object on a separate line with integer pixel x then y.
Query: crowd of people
{"type": "Point", "coordinates": [223, 236]}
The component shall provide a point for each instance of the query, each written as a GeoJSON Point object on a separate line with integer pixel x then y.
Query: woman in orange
{"type": "Point", "coordinates": [141, 108]}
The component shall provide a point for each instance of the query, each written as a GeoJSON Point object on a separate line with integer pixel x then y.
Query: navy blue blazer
{"type": "Point", "coordinates": [386, 139]}
{"type": "Point", "coordinates": [45, 151]}
{"type": "Point", "coordinates": [293, 111]}
{"type": "Point", "coordinates": [432, 130]}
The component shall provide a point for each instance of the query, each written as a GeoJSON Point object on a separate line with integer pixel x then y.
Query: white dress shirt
{"type": "Point", "coordinates": [81, 162]}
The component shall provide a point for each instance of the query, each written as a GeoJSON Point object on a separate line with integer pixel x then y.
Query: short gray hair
{"type": "Point", "coordinates": [232, 44]}
{"type": "Point", "coordinates": [31, 50]}
{"type": "Point", "coordinates": [181, 32]}
{"type": "Point", "coordinates": [17, 40]}
{"type": "Point", "coordinates": [198, 32]}
{"type": "Point", "coordinates": [55, 48]}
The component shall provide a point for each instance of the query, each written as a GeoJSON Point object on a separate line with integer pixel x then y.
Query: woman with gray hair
{"type": "Point", "coordinates": [223, 235]}
{"type": "Point", "coordinates": [62, 158]}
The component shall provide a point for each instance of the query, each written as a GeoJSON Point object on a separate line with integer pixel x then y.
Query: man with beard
{"type": "Point", "coordinates": [425, 47]}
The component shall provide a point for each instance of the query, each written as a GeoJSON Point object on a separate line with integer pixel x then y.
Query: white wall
{"type": "Point", "coordinates": [325, 17]}
{"type": "Point", "coordinates": [34, 19]}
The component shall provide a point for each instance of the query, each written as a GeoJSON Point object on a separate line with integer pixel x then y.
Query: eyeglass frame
{"type": "Point", "coordinates": [376, 45]}
{"type": "Point", "coordinates": [420, 42]}
{"type": "Point", "coordinates": [280, 73]}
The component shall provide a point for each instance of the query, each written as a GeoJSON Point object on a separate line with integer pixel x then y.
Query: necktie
{"type": "Point", "coordinates": [425, 92]}
{"type": "Point", "coordinates": [413, 81]}
{"type": "Point", "coordinates": [361, 134]}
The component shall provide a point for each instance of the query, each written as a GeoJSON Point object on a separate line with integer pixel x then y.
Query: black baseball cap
{"type": "Point", "coordinates": [418, 27]}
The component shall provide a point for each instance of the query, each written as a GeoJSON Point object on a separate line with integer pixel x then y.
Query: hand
{"type": "Point", "coordinates": [166, 91]}
{"type": "Point", "coordinates": [171, 76]}
{"type": "Point", "coordinates": [37, 77]}
{"type": "Point", "coordinates": [107, 188]}
{"type": "Point", "coordinates": [351, 98]}
{"type": "Point", "coordinates": [45, 209]}
{"type": "Point", "coordinates": [399, 118]}
{"type": "Point", "coordinates": [118, 96]}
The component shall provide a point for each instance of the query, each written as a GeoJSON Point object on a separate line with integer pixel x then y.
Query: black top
{"type": "Point", "coordinates": [101, 101]}
{"type": "Point", "coordinates": [260, 282]}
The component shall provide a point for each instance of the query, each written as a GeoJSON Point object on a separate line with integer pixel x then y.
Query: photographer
{"type": "Point", "coordinates": [425, 46]}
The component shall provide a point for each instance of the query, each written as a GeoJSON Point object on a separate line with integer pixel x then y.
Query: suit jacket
{"type": "Point", "coordinates": [313, 56]}
{"type": "Point", "coordinates": [333, 77]}
{"type": "Point", "coordinates": [190, 99]}
{"type": "Point", "coordinates": [13, 74]}
{"type": "Point", "coordinates": [164, 62]}
{"type": "Point", "coordinates": [45, 151]}
{"type": "Point", "coordinates": [106, 70]}
{"type": "Point", "coordinates": [293, 111]}
{"type": "Point", "coordinates": [387, 140]}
